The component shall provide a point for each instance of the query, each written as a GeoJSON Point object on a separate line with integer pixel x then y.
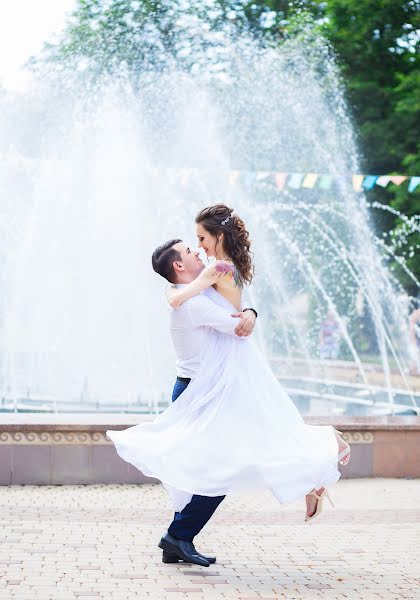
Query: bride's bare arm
{"type": "Point", "coordinates": [209, 276]}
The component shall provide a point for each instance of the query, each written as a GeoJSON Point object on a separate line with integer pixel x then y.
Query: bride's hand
{"type": "Point", "coordinates": [211, 274]}
{"type": "Point", "coordinates": [224, 267]}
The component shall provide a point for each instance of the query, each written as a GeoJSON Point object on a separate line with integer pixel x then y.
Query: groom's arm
{"type": "Point", "coordinates": [207, 313]}
{"type": "Point", "coordinates": [248, 316]}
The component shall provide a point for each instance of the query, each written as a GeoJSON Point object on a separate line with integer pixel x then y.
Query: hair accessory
{"type": "Point", "coordinates": [226, 220]}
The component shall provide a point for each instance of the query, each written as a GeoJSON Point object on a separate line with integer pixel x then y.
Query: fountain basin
{"type": "Point", "coordinates": [58, 449]}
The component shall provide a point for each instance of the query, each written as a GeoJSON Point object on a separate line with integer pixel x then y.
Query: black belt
{"type": "Point", "coordinates": [184, 379]}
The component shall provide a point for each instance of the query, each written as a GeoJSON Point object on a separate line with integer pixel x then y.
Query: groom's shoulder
{"type": "Point", "coordinates": [191, 301]}
{"type": "Point", "coordinates": [201, 300]}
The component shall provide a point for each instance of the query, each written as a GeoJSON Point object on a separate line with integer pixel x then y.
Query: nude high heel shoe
{"type": "Point", "coordinates": [320, 498]}
{"type": "Point", "coordinates": [344, 456]}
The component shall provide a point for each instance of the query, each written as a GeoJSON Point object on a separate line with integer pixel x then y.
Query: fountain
{"type": "Point", "coordinates": [96, 176]}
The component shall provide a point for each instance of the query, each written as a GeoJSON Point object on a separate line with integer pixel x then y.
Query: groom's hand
{"type": "Point", "coordinates": [246, 323]}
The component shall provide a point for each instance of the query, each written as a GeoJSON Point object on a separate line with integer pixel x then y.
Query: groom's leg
{"type": "Point", "coordinates": [194, 516]}
{"type": "Point", "coordinates": [191, 520]}
{"type": "Point", "coordinates": [181, 384]}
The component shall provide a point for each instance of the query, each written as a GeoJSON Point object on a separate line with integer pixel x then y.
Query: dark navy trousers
{"type": "Point", "coordinates": [191, 520]}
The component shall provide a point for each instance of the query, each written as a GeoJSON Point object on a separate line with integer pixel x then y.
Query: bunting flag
{"type": "Point", "coordinates": [261, 175]}
{"type": "Point", "coordinates": [185, 175]}
{"type": "Point", "coordinates": [357, 182]}
{"type": "Point", "coordinates": [414, 182]}
{"type": "Point", "coordinates": [249, 177]}
{"type": "Point", "coordinates": [295, 181]}
{"type": "Point", "coordinates": [233, 177]}
{"type": "Point", "coordinates": [369, 182]}
{"type": "Point", "coordinates": [310, 180]}
{"type": "Point", "coordinates": [397, 179]}
{"type": "Point", "coordinates": [383, 180]}
{"type": "Point", "coordinates": [280, 179]}
{"type": "Point", "coordinates": [325, 182]}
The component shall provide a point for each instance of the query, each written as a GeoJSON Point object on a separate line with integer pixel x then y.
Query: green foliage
{"type": "Point", "coordinates": [376, 42]}
{"type": "Point", "coordinates": [104, 36]}
{"type": "Point", "coordinates": [376, 45]}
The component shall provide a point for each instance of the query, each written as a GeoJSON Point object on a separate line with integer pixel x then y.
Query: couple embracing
{"type": "Point", "coordinates": [231, 426]}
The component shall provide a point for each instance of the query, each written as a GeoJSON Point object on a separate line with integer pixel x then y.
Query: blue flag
{"type": "Point", "coordinates": [369, 182]}
{"type": "Point", "coordinates": [414, 182]}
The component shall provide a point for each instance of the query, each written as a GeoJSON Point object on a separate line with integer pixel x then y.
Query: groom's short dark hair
{"type": "Point", "coordinates": [163, 258]}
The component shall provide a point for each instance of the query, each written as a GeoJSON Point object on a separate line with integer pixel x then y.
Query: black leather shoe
{"type": "Point", "coordinates": [183, 550]}
{"type": "Point", "coordinates": [168, 557]}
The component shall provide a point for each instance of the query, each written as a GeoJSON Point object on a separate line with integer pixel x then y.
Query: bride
{"type": "Point", "coordinates": [234, 428]}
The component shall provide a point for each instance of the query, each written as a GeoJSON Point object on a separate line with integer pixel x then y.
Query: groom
{"type": "Point", "coordinates": [179, 265]}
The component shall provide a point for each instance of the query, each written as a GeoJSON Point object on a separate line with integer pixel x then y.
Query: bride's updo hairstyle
{"type": "Point", "coordinates": [218, 219]}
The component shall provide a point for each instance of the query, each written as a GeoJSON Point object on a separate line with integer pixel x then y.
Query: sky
{"type": "Point", "coordinates": [24, 26]}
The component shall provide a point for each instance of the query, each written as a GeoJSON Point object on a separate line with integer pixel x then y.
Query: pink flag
{"type": "Point", "coordinates": [280, 180]}
{"type": "Point", "coordinates": [397, 179]}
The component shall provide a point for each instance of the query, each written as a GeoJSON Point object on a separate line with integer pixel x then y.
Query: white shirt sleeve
{"type": "Point", "coordinates": [205, 312]}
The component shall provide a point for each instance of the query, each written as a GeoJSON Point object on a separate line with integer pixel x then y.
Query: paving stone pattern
{"type": "Point", "coordinates": [91, 542]}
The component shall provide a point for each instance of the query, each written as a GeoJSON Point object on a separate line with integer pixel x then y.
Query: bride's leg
{"type": "Point", "coordinates": [343, 449]}
{"type": "Point", "coordinates": [312, 498]}
{"type": "Point", "coordinates": [312, 501]}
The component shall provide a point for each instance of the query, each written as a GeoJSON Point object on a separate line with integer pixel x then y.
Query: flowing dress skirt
{"type": "Point", "coordinates": [233, 429]}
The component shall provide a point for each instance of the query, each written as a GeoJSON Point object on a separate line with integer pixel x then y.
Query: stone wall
{"type": "Point", "coordinates": [45, 449]}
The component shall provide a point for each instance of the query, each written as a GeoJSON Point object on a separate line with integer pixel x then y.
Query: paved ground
{"type": "Point", "coordinates": [100, 541]}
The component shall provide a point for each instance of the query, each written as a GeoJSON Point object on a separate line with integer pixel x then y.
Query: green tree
{"type": "Point", "coordinates": [377, 46]}
{"type": "Point", "coordinates": [145, 34]}
{"type": "Point", "coordinates": [375, 42]}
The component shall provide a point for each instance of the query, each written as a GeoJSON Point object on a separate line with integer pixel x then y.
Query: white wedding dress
{"type": "Point", "coordinates": [233, 429]}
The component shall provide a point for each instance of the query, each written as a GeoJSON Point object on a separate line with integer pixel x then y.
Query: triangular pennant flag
{"type": "Point", "coordinates": [185, 174]}
{"type": "Point", "coordinates": [369, 182]}
{"type": "Point", "coordinates": [383, 180]}
{"type": "Point", "coordinates": [280, 179]}
{"type": "Point", "coordinates": [233, 177]}
{"type": "Point", "coordinates": [325, 182]}
{"type": "Point", "coordinates": [175, 175]}
{"type": "Point", "coordinates": [310, 180]}
{"type": "Point", "coordinates": [357, 182]}
{"type": "Point", "coordinates": [295, 180]}
{"type": "Point", "coordinates": [261, 175]}
{"type": "Point", "coordinates": [414, 182]}
{"type": "Point", "coordinates": [171, 175]}
{"type": "Point", "coordinates": [397, 179]}
{"type": "Point", "coordinates": [194, 172]}
{"type": "Point", "coordinates": [248, 177]}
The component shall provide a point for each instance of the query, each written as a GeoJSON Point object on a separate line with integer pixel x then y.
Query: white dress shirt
{"type": "Point", "coordinates": [188, 325]}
